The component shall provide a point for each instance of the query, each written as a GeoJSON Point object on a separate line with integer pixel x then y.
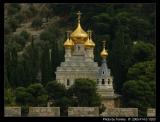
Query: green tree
{"type": "Point", "coordinates": [12, 8]}
{"type": "Point", "coordinates": [19, 17]}
{"type": "Point", "coordinates": [9, 97]}
{"type": "Point", "coordinates": [25, 34]}
{"type": "Point", "coordinates": [139, 90]}
{"type": "Point", "coordinates": [27, 14]}
{"type": "Point", "coordinates": [139, 28]}
{"type": "Point", "coordinates": [36, 23]}
{"type": "Point", "coordinates": [143, 70]}
{"type": "Point", "coordinates": [45, 12]}
{"type": "Point", "coordinates": [38, 93]}
{"type": "Point", "coordinates": [82, 89]}
{"type": "Point", "coordinates": [138, 94]}
{"type": "Point", "coordinates": [53, 32]}
{"type": "Point", "coordinates": [58, 93]}
{"type": "Point", "coordinates": [64, 102]}
{"type": "Point", "coordinates": [7, 28]}
{"type": "Point", "coordinates": [22, 96]}
{"type": "Point", "coordinates": [13, 23]}
{"type": "Point", "coordinates": [33, 10]}
{"type": "Point", "coordinates": [12, 68]}
{"type": "Point", "coordinates": [33, 95]}
{"type": "Point", "coordinates": [119, 57]}
{"type": "Point", "coordinates": [143, 51]}
{"type": "Point", "coordinates": [55, 90]}
{"type": "Point", "coordinates": [46, 64]}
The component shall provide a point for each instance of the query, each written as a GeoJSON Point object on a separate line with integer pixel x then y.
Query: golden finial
{"type": "Point", "coordinates": [104, 52]}
{"type": "Point", "coordinates": [79, 16]}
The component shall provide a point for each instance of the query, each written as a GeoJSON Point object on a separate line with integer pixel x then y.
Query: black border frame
{"type": "Point", "coordinates": [92, 119]}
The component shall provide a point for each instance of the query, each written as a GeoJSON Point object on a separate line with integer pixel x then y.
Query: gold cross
{"type": "Point", "coordinates": [79, 15]}
{"type": "Point", "coordinates": [104, 42]}
{"type": "Point", "coordinates": [68, 33]}
{"type": "Point", "coordinates": [89, 33]}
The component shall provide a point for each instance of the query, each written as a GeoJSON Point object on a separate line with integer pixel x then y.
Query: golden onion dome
{"type": "Point", "coordinates": [89, 43]}
{"type": "Point", "coordinates": [79, 35]}
{"type": "Point", "coordinates": [104, 52]}
{"type": "Point", "coordinates": [68, 43]}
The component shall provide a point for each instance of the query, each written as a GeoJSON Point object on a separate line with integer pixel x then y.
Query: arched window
{"type": "Point", "coordinates": [103, 72]}
{"type": "Point", "coordinates": [108, 81]}
{"type": "Point", "coordinates": [68, 82]}
{"type": "Point", "coordinates": [103, 82]}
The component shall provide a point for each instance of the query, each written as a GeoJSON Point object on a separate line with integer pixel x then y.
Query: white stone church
{"type": "Point", "coordinates": [79, 63]}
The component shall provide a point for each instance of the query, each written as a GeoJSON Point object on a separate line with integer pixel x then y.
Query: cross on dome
{"type": "Point", "coordinates": [79, 16]}
{"type": "Point", "coordinates": [104, 44]}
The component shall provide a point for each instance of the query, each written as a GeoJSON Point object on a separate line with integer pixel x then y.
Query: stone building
{"type": "Point", "coordinates": [79, 63]}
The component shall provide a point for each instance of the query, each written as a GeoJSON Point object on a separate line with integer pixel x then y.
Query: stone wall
{"type": "Point", "coordinates": [12, 111]}
{"type": "Point", "coordinates": [120, 112]}
{"type": "Point", "coordinates": [151, 112]}
{"type": "Point", "coordinates": [108, 103]}
{"type": "Point", "coordinates": [44, 111]}
{"type": "Point", "coordinates": [83, 111]}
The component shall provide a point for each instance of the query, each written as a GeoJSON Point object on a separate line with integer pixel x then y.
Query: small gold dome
{"type": "Point", "coordinates": [68, 43]}
{"type": "Point", "coordinates": [79, 35]}
{"type": "Point", "coordinates": [89, 43]}
{"type": "Point", "coordinates": [104, 52]}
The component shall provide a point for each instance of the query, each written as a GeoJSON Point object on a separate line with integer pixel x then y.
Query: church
{"type": "Point", "coordinates": [79, 63]}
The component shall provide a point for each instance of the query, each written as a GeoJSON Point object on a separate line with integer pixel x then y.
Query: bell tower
{"type": "Point", "coordinates": [105, 82]}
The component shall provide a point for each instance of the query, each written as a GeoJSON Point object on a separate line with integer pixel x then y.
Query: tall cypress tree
{"type": "Point", "coordinates": [13, 68]}
{"type": "Point", "coordinates": [46, 65]}
{"type": "Point", "coordinates": [55, 58]}
{"type": "Point", "coordinates": [120, 57]}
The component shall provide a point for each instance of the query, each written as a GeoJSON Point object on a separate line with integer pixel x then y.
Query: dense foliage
{"type": "Point", "coordinates": [38, 95]}
{"type": "Point", "coordinates": [139, 90]}
{"type": "Point", "coordinates": [83, 89]}
{"type": "Point", "coordinates": [129, 30]}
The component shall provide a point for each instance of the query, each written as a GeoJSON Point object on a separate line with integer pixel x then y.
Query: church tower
{"type": "Point", "coordinates": [105, 82]}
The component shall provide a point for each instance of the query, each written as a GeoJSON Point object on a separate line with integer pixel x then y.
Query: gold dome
{"type": "Point", "coordinates": [89, 43]}
{"type": "Point", "coordinates": [68, 43]}
{"type": "Point", "coordinates": [104, 52]}
{"type": "Point", "coordinates": [79, 35]}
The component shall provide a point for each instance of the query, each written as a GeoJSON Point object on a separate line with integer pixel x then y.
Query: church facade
{"type": "Point", "coordinates": [79, 63]}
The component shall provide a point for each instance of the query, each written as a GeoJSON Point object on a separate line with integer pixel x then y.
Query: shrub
{"type": "Point", "coordinates": [36, 23]}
